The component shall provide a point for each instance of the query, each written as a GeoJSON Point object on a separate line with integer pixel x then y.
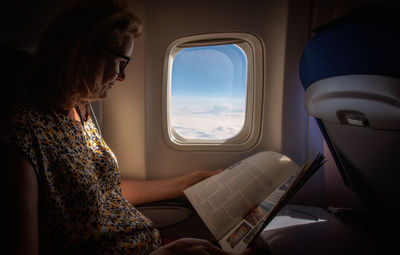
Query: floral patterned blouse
{"type": "Point", "coordinates": [81, 208]}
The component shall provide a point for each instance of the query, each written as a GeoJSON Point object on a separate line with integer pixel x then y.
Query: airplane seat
{"type": "Point", "coordinates": [351, 73]}
{"type": "Point", "coordinates": [15, 71]}
{"type": "Point", "coordinates": [15, 68]}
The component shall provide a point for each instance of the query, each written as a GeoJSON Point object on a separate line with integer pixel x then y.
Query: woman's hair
{"type": "Point", "coordinates": [69, 64]}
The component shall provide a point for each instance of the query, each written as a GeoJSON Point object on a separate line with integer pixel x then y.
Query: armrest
{"type": "Point", "coordinates": [167, 213]}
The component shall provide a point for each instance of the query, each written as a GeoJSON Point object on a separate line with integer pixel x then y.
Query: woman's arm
{"type": "Point", "coordinates": [139, 192]}
{"type": "Point", "coordinates": [20, 205]}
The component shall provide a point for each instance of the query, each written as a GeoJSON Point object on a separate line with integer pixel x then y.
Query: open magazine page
{"type": "Point", "coordinates": [225, 199]}
{"type": "Point", "coordinates": [246, 230]}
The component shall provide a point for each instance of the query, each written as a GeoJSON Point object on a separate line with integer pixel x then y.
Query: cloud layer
{"type": "Point", "coordinates": [218, 121]}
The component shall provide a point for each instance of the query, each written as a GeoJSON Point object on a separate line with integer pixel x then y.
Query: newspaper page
{"type": "Point", "coordinates": [223, 200]}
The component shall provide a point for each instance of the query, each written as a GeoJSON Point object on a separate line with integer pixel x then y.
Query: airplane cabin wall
{"type": "Point", "coordinates": [124, 109]}
{"type": "Point", "coordinates": [167, 21]}
{"type": "Point", "coordinates": [301, 136]}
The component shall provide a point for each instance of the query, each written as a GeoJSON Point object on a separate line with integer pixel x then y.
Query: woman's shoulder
{"type": "Point", "coordinates": [23, 116]}
{"type": "Point", "coordinates": [18, 127]}
{"type": "Point", "coordinates": [21, 113]}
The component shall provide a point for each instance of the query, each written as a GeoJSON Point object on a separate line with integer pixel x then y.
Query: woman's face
{"type": "Point", "coordinates": [117, 56]}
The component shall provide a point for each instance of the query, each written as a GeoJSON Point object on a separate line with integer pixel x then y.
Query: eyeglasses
{"type": "Point", "coordinates": [123, 64]}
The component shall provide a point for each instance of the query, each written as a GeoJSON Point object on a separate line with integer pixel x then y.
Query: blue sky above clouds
{"type": "Point", "coordinates": [208, 92]}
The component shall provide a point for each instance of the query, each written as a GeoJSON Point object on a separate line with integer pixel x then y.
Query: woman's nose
{"type": "Point", "coordinates": [121, 76]}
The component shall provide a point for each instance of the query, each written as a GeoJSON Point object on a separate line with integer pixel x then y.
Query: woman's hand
{"type": "Point", "coordinates": [194, 177]}
{"type": "Point", "coordinates": [191, 246]}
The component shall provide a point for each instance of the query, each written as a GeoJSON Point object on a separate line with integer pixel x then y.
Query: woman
{"type": "Point", "coordinates": [64, 194]}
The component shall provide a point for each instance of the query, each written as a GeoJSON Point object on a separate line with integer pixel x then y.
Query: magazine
{"type": "Point", "coordinates": [238, 203]}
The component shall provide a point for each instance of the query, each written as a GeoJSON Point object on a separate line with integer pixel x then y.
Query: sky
{"type": "Point", "coordinates": [208, 92]}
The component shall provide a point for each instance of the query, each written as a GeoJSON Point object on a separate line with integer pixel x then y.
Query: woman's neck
{"type": "Point", "coordinates": [78, 111]}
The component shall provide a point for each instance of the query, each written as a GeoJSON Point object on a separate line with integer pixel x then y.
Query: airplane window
{"type": "Point", "coordinates": [212, 93]}
{"type": "Point", "coordinates": [208, 92]}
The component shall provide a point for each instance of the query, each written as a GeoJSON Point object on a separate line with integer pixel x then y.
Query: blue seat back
{"type": "Point", "coordinates": [351, 73]}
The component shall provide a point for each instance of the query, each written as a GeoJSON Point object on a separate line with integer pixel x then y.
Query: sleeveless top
{"type": "Point", "coordinates": [81, 208]}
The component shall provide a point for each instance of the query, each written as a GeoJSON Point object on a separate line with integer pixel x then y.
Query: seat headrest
{"type": "Point", "coordinates": [366, 41]}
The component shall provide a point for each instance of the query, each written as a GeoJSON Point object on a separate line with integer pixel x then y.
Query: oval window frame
{"type": "Point", "coordinates": [251, 131]}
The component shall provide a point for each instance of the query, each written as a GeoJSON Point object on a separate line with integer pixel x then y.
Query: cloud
{"type": "Point", "coordinates": [225, 109]}
{"type": "Point", "coordinates": [219, 121]}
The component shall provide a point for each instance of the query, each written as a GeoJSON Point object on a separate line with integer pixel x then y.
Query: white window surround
{"type": "Point", "coordinates": [250, 133]}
